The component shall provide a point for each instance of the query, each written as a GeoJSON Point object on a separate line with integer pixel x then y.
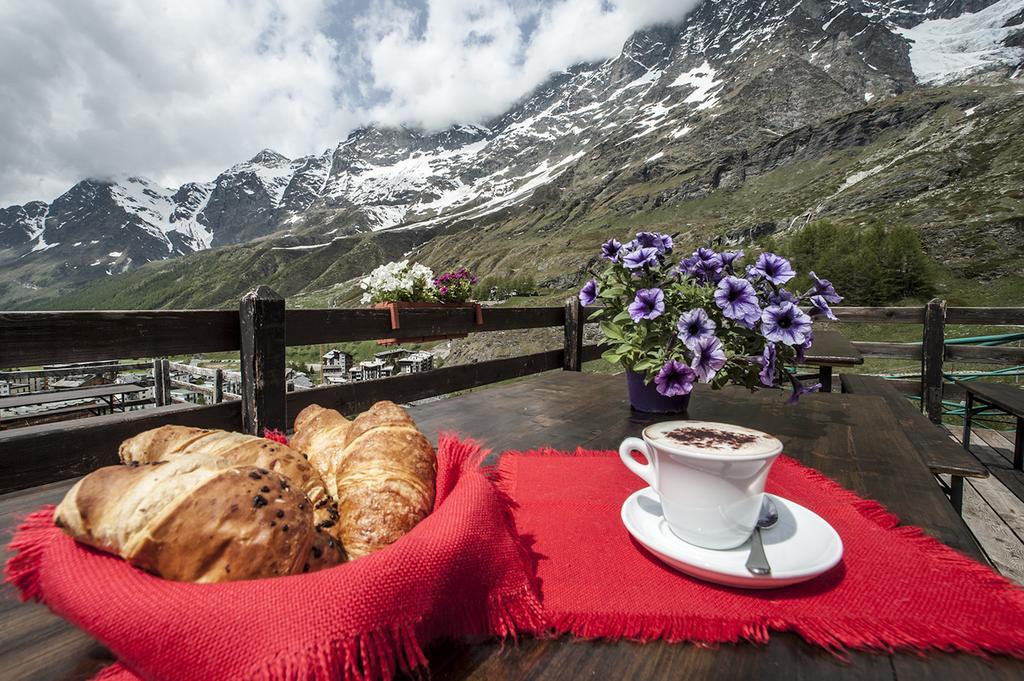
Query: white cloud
{"type": "Point", "coordinates": [179, 91]}
{"type": "Point", "coordinates": [471, 61]}
{"type": "Point", "coordinates": [175, 91]}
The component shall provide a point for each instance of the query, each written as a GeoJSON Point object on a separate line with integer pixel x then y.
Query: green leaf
{"type": "Point", "coordinates": [612, 331]}
{"type": "Point", "coordinates": [622, 317]}
{"type": "Point", "coordinates": [611, 356]}
{"type": "Point", "coordinates": [613, 292]}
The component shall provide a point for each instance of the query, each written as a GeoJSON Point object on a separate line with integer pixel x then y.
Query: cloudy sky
{"type": "Point", "coordinates": [178, 90]}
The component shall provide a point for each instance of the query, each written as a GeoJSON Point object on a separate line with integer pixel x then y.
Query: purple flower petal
{"type": "Point", "coordinates": [610, 250]}
{"type": "Point", "coordinates": [708, 358]}
{"type": "Point", "coordinates": [785, 323]}
{"type": "Point", "coordinates": [641, 257]}
{"type": "Point", "coordinates": [737, 300]}
{"type": "Point", "coordinates": [774, 268]}
{"type": "Point", "coordinates": [768, 357]}
{"type": "Point", "coordinates": [675, 378]}
{"type": "Point", "coordinates": [819, 306]}
{"type": "Point", "coordinates": [648, 304]}
{"type": "Point", "coordinates": [588, 294]}
{"type": "Point", "coordinates": [825, 289]}
{"type": "Point", "coordinates": [694, 325]}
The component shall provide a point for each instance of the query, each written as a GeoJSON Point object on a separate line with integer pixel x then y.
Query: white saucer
{"type": "Point", "coordinates": [799, 547]}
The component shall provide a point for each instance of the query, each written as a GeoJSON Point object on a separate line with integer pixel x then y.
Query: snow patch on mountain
{"type": "Point", "coordinates": [947, 50]}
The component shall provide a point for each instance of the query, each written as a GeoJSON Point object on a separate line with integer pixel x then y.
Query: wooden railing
{"type": "Point", "coordinates": [259, 330]}
{"type": "Point", "coordinates": [932, 352]}
{"type": "Point", "coordinates": [262, 328]}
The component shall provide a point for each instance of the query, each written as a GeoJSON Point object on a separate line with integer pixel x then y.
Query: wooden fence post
{"type": "Point", "coordinates": [218, 386]}
{"type": "Point", "coordinates": [159, 396]}
{"type": "Point", "coordinates": [261, 321]}
{"type": "Point", "coordinates": [573, 335]}
{"type": "Point", "coordinates": [933, 351]}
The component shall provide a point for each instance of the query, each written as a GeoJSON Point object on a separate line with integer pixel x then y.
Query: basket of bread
{"type": "Point", "coordinates": [212, 554]}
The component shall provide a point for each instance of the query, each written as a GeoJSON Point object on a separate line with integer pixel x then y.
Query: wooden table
{"type": "Point", "coordinates": [852, 438]}
{"type": "Point", "coordinates": [831, 349]}
{"type": "Point", "coordinates": [102, 392]}
{"type": "Point", "coordinates": [1002, 396]}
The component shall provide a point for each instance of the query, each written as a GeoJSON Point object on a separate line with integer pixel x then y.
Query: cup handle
{"type": "Point", "coordinates": [645, 471]}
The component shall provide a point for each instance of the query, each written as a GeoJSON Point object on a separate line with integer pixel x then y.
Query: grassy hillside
{"type": "Point", "coordinates": [946, 162]}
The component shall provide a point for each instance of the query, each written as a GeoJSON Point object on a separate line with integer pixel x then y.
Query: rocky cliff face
{"type": "Point", "coordinates": [738, 90]}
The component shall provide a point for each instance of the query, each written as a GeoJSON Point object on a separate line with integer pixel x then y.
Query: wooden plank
{"type": "Point", "coordinates": [831, 348]}
{"type": "Point", "coordinates": [995, 316]}
{"type": "Point", "coordinates": [218, 387]}
{"type": "Point", "coordinates": [310, 327]}
{"type": "Point", "coordinates": [51, 396]}
{"type": "Point", "coordinates": [1004, 548]}
{"type": "Point", "coordinates": [930, 441]}
{"type": "Point", "coordinates": [160, 396]}
{"type": "Point", "coordinates": [897, 315]}
{"type": "Point", "coordinates": [933, 351]}
{"type": "Point", "coordinates": [29, 338]}
{"type": "Point", "coordinates": [888, 350]}
{"type": "Point", "coordinates": [591, 352]}
{"type": "Point", "coordinates": [350, 398]}
{"type": "Point", "coordinates": [573, 350]}
{"type": "Point", "coordinates": [261, 318]}
{"type": "Point", "coordinates": [983, 354]}
{"type": "Point", "coordinates": [35, 455]}
{"type": "Point", "coordinates": [17, 376]}
{"type": "Point", "coordinates": [1005, 396]}
{"type": "Point", "coordinates": [194, 387]}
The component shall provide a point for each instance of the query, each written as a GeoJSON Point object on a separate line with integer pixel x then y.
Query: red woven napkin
{"type": "Point", "coordinates": [461, 571]}
{"type": "Point", "coordinates": [896, 588]}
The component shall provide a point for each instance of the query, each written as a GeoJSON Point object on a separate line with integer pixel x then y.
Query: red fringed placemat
{"type": "Point", "coordinates": [896, 588]}
{"type": "Point", "coordinates": [461, 571]}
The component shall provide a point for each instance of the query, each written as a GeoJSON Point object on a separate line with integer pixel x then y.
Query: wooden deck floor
{"type": "Point", "coordinates": [994, 506]}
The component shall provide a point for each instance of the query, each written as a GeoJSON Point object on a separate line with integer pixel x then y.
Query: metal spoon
{"type": "Point", "coordinates": [757, 562]}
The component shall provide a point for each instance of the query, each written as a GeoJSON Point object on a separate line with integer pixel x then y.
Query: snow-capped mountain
{"type": "Point", "coordinates": [734, 74]}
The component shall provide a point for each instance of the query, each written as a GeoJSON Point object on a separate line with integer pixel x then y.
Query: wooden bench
{"type": "Point", "coordinates": [938, 452]}
{"type": "Point", "coordinates": [1002, 396]}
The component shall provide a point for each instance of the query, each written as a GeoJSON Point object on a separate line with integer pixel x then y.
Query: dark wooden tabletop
{"type": "Point", "coordinates": [1005, 396]}
{"type": "Point", "coordinates": [831, 348]}
{"type": "Point", "coordinates": [66, 395]}
{"type": "Point", "coordinates": [852, 438]}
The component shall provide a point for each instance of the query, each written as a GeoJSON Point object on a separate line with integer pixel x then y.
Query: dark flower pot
{"type": "Point", "coordinates": [644, 397]}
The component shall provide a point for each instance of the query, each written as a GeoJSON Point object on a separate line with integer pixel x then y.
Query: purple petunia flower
{"type": "Point", "coordinates": [694, 325]}
{"type": "Point", "coordinates": [825, 289]}
{"type": "Point", "coordinates": [641, 257]}
{"type": "Point", "coordinates": [799, 389]}
{"type": "Point", "coordinates": [708, 357]}
{"type": "Point", "coordinates": [785, 323]}
{"type": "Point", "coordinates": [774, 268]}
{"type": "Point", "coordinates": [767, 361]}
{"type": "Point", "coordinates": [610, 249]}
{"type": "Point", "coordinates": [588, 294]}
{"type": "Point", "coordinates": [662, 242]}
{"type": "Point", "coordinates": [729, 259]}
{"type": "Point", "coordinates": [804, 347]}
{"type": "Point", "coordinates": [782, 296]}
{"type": "Point", "coordinates": [737, 300]}
{"type": "Point", "coordinates": [675, 378]}
{"type": "Point", "coordinates": [648, 304]}
{"type": "Point", "coordinates": [819, 306]}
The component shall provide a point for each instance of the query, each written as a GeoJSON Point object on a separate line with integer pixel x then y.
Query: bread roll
{"type": "Point", "coordinates": [169, 442]}
{"type": "Point", "coordinates": [380, 467]}
{"type": "Point", "coordinates": [197, 518]}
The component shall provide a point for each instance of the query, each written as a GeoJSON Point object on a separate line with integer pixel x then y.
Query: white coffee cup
{"type": "Point", "coordinates": [710, 477]}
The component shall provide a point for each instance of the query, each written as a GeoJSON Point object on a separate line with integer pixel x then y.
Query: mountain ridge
{"type": "Point", "coordinates": [733, 76]}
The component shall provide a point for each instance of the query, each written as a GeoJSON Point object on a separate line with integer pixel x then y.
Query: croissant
{"type": "Point", "coordinates": [169, 442]}
{"type": "Point", "coordinates": [380, 467]}
{"type": "Point", "coordinates": [197, 518]}
{"type": "Point", "coordinates": [321, 434]}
